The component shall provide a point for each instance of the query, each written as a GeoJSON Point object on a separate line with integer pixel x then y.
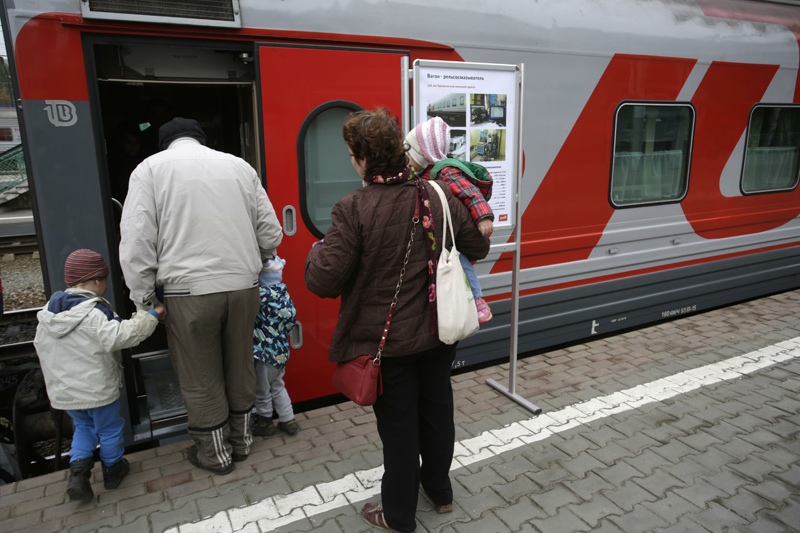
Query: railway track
{"type": "Point", "coordinates": [18, 244]}
{"type": "Point", "coordinates": [17, 329]}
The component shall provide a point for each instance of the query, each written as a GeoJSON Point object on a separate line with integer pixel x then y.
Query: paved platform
{"type": "Point", "coordinates": [691, 425]}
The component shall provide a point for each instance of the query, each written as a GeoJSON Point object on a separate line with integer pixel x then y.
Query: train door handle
{"type": "Point", "coordinates": [289, 220]}
{"type": "Point", "coordinates": [296, 336]}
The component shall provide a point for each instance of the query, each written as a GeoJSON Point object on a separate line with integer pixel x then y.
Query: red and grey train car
{"type": "Point", "coordinates": [661, 146]}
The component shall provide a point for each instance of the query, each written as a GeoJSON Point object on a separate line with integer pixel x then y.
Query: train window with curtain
{"type": "Point", "coordinates": [772, 153]}
{"type": "Point", "coordinates": [326, 174]}
{"type": "Point", "coordinates": [652, 151]}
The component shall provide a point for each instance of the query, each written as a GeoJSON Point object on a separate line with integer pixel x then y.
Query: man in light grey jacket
{"type": "Point", "coordinates": [197, 225]}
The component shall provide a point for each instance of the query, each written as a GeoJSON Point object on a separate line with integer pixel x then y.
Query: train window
{"type": "Point", "coordinates": [772, 157]}
{"type": "Point", "coordinates": [325, 168]}
{"type": "Point", "coordinates": [6, 135]}
{"type": "Point", "coordinates": [652, 149]}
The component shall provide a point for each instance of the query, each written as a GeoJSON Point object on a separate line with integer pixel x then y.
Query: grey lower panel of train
{"type": "Point", "coordinates": [569, 315]}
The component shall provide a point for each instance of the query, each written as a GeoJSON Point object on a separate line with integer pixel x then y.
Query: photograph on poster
{"type": "Point", "coordinates": [458, 145]}
{"type": "Point", "coordinates": [451, 108]}
{"type": "Point", "coordinates": [488, 110]}
{"type": "Point", "coordinates": [487, 145]}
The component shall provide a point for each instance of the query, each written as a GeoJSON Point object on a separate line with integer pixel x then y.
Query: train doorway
{"type": "Point", "coordinates": [139, 87]}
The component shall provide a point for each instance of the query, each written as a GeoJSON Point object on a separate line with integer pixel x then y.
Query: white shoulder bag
{"type": "Point", "coordinates": [455, 305]}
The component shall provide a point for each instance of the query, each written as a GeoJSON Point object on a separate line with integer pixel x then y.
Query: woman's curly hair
{"type": "Point", "coordinates": [375, 137]}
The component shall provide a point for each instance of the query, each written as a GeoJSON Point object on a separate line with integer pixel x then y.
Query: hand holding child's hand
{"type": "Point", "coordinates": [161, 309]}
{"type": "Point", "coordinates": [486, 227]}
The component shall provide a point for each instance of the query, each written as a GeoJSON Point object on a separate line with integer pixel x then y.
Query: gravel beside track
{"type": "Point", "coordinates": [23, 288]}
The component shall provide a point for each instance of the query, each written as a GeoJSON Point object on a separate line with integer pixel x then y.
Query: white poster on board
{"type": "Point", "coordinates": [479, 105]}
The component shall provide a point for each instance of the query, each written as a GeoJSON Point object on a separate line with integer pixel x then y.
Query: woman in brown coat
{"type": "Point", "coordinates": [360, 259]}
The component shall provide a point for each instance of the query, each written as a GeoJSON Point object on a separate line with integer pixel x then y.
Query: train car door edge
{"type": "Point", "coordinates": [305, 94]}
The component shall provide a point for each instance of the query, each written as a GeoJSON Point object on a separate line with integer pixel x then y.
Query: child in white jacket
{"type": "Point", "coordinates": [76, 338]}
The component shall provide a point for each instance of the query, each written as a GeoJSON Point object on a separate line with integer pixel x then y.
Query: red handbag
{"type": "Point", "coordinates": [360, 379]}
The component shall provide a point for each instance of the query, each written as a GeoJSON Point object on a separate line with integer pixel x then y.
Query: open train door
{"type": "Point", "coordinates": [306, 93]}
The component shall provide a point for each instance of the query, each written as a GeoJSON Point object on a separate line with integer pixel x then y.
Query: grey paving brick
{"type": "Point", "coordinates": [564, 520]}
{"type": "Point", "coordinates": [544, 456]}
{"type": "Point", "coordinates": [764, 524]}
{"type": "Point", "coordinates": [487, 522]}
{"type": "Point", "coordinates": [208, 507]}
{"type": "Point", "coordinates": [747, 504]}
{"type": "Point", "coordinates": [582, 464]}
{"type": "Point", "coordinates": [747, 421]}
{"type": "Point", "coordinates": [715, 515]}
{"type": "Point", "coordinates": [511, 491]}
{"type": "Point", "coordinates": [610, 453]}
{"type": "Point", "coordinates": [638, 442]}
{"type": "Point", "coordinates": [595, 510]}
{"type": "Point", "coordinates": [589, 486]}
{"type": "Point", "coordinates": [674, 451]}
{"type": "Point", "coordinates": [515, 515]}
{"type": "Point", "coordinates": [659, 482]}
{"type": "Point", "coordinates": [647, 461]}
{"type": "Point", "coordinates": [547, 477]}
{"type": "Point", "coordinates": [301, 480]}
{"type": "Point", "coordinates": [134, 514]}
{"type": "Point", "coordinates": [773, 491]}
{"type": "Point", "coordinates": [722, 431]}
{"type": "Point", "coordinates": [700, 492]}
{"type": "Point", "coordinates": [160, 521]}
{"type": "Point", "coordinates": [556, 497]}
{"type": "Point", "coordinates": [510, 468]}
{"type": "Point", "coordinates": [628, 495]}
{"type": "Point", "coordinates": [139, 525]}
{"type": "Point", "coordinates": [619, 473]}
{"type": "Point", "coordinates": [329, 526]}
{"type": "Point", "coordinates": [786, 427]}
{"type": "Point", "coordinates": [711, 460]}
{"type": "Point", "coordinates": [353, 523]}
{"type": "Point", "coordinates": [710, 414]}
{"type": "Point", "coordinates": [485, 477]}
{"type": "Point", "coordinates": [784, 403]}
{"type": "Point", "coordinates": [684, 525]}
{"type": "Point", "coordinates": [603, 434]}
{"type": "Point", "coordinates": [574, 443]}
{"type": "Point", "coordinates": [700, 440]}
{"type": "Point", "coordinates": [753, 468]}
{"type": "Point", "coordinates": [728, 480]}
{"type": "Point", "coordinates": [481, 502]}
{"type": "Point", "coordinates": [789, 513]}
{"type": "Point", "coordinates": [262, 491]}
{"type": "Point", "coordinates": [671, 507]}
{"type": "Point", "coordinates": [640, 519]}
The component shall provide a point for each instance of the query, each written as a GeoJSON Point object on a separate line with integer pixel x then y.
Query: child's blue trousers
{"type": "Point", "coordinates": [101, 424]}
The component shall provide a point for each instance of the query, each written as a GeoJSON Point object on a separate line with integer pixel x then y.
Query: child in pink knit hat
{"type": "Point", "coordinates": [428, 144]}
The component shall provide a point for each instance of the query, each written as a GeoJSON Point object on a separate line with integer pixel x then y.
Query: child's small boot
{"type": "Point", "coordinates": [114, 474]}
{"type": "Point", "coordinates": [79, 486]}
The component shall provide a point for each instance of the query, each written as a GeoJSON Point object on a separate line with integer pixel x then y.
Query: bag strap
{"type": "Point", "coordinates": [446, 216]}
{"type": "Point", "coordinates": [415, 221]}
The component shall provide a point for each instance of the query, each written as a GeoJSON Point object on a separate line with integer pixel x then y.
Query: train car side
{"type": "Point", "coordinates": [639, 197]}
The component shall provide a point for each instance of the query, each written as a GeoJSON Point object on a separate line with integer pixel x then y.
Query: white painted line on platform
{"type": "Point", "coordinates": [281, 510]}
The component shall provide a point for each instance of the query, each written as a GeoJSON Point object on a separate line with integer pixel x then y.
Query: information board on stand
{"type": "Point", "coordinates": [482, 104]}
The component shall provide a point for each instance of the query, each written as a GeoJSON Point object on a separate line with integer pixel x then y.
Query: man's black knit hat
{"type": "Point", "coordinates": [180, 127]}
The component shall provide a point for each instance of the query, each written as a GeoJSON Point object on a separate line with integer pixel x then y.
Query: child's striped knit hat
{"type": "Point", "coordinates": [84, 265]}
{"type": "Point", "coordinates": [429, 142]}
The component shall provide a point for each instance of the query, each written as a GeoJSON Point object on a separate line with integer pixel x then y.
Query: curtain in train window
{"type": "Point", "coordinates": [652, 148]}
{"type": "Point", "coordinates": [329, 175]}
{"type": "Point", "coordinates": [772, 156]}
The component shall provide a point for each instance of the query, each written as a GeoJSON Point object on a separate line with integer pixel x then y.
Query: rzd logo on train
{"type": "Point", "coordinates": [61, 112]}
